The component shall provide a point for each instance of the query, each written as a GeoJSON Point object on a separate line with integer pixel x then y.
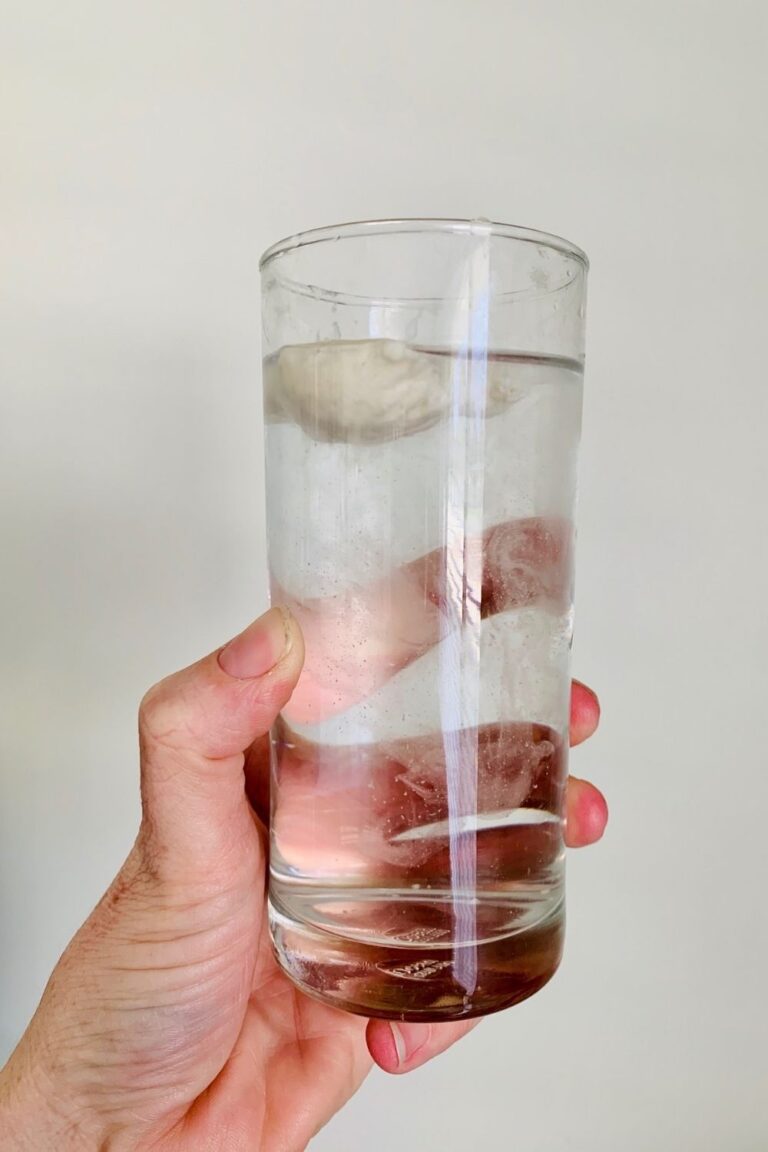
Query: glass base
{"type": "Point", "coordinates": [419, 982]}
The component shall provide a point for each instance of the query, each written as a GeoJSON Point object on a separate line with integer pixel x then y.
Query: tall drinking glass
{"type": "Point", "coordinates": [422, 392]}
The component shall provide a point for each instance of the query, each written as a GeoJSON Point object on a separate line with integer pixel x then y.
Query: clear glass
{"type": "Point", "coordinates": [422, 392]}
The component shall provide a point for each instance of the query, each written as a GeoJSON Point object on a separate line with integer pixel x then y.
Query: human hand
{"type": "Point", "coordinates": [167, 1024]}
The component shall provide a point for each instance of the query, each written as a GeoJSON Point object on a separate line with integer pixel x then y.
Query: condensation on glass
{"type": "Point", "coordinates": [422, 399]}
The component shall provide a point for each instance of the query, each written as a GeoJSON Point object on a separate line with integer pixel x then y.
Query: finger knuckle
{"type": "Point", "coordinates": [155, 714]}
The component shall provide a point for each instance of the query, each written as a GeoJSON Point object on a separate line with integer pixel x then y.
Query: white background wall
{"type": "Point", "coordinates": [148, 152]}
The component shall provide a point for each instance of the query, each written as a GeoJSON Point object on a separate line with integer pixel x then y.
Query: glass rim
{"type": "Point", "coordinates": [405, 224]}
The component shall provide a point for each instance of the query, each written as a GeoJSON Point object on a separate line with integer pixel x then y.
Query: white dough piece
{"type": "Point", "coordinates": [365, 391]}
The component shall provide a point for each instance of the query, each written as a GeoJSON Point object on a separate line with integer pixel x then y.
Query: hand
{"type": "Point", "coordinates": [167, 1024]}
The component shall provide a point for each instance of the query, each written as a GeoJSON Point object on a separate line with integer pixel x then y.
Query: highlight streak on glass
{"type": "Point", "coordinates": [461, 621]}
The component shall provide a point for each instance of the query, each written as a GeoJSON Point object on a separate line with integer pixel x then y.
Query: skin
{"type": "Point", "coordinates": [166, 1024]}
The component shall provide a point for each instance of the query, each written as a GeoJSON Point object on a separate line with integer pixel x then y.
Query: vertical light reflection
{"type": "Point", "coordinates": [460, 622]}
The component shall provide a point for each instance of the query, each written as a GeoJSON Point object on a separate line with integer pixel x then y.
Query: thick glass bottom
{"type": "Point", "coordinates": [418, 977]}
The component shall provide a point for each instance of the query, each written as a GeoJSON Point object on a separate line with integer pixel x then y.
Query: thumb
{"type": "Point", "coordinates": [194, 728]}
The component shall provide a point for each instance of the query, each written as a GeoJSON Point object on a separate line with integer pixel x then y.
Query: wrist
{"type": "Point", "coordinates": [33, 1115]}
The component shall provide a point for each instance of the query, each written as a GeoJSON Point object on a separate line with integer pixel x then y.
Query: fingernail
{"type": "Point", "coordinates": [259, 648]}
{"type": "Point", "coordinates": [409, 1039]}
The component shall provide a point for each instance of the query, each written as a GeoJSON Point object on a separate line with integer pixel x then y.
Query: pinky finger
{"type": "Point", "coordinates": [402, 1046]}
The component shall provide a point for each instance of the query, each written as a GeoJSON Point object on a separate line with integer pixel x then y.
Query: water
{"type": "Point", "coordinates": [420, 528]}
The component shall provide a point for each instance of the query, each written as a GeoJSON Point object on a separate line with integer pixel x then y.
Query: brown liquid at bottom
{"type": "Point", "coordinates": [419, 983]}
